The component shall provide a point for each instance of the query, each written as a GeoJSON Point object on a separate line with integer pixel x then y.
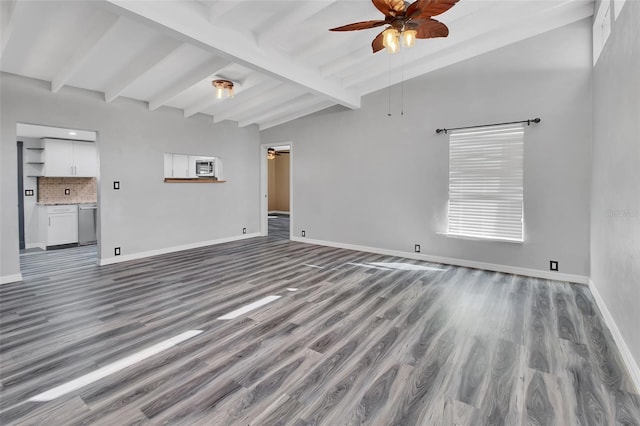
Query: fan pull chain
{"type": "Point", "coordinates": [389, 88]}
{"type": "Point", "coordinates": [402, 82]}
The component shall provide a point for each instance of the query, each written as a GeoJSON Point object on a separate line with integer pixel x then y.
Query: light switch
{"type": "Point", "coordinates": [116, 184]}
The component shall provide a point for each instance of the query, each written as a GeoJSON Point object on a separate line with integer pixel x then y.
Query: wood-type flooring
{"type": "Point", "coordinates": [355, 338]}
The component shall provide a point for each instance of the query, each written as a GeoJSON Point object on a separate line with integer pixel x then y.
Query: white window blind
{"type": "Point", "coordinates": [485, 182]}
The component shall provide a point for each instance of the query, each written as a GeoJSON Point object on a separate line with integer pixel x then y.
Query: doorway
{"type": "Point", "coordinates": [276, 206]}
{"type": "Point", "coordinates": [58, 198]}
{"type": "Point", "coordinates": [20, 194]}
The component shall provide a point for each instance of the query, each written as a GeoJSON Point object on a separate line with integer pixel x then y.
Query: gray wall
{"type": "Point", "coordinates": [615, 217]}
{"type": "Point", "coordinates": [362, 178]}
{"type": "Point", "coordinates": [146, 214]}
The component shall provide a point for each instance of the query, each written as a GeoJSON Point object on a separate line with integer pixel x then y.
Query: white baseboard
{"type": "Point", "coordinates": [579, 279]}
{"type": "Point", "coordinates": [10, 279]}
{"type": "Point", "coordinates": [277, 212]}
{"type": "Point", "coordinates": [632, 366]}
{"type": "Point", "coordinates": [141, 255]}
{"type": "Point", "coordinates": [35, 245]}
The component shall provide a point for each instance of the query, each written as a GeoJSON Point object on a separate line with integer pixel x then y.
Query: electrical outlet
{"type": "Point", "coordinates": [244, 230]}
{"type": "Point", "coordinates": [116, 251]}
{"type": "Point", "coordinates": [28, 192]}
{"type": "Point", "coordinates": [116, 184]}
{"type": "Point", "coordinates": [553, 265]}
{"type": "Point", "coordinates": [67, 191]}
{"type": "Point", "coordinates": [304, 234]}
{"type": "Point", "coordinates": [416, 248]}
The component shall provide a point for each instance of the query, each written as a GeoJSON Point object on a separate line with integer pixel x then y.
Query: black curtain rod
{"type": "Point", "coordinates": [533, 120]}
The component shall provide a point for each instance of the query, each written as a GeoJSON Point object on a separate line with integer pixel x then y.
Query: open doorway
{"type": "Point", "coordinates": [58, 208]}
{"type": "Point", "coordinates": [276, 184]}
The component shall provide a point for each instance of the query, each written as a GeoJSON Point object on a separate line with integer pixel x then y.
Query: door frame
{"type": "Point", "coordinates": [264, 187]}
{"type": "Point", "coordinates": [21, 235]}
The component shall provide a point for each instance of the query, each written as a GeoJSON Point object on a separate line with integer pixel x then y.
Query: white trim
{"type": "Point", "coordinates": [264, 190]}
{"type": "Point", "coordinates": [143, 254]}
{"type": "Point", "coordinates": [627, 357]}
{"type": "Point", "coordinates": [278, 212]}
{"type": "Point", "coordinates": [578, 279]}
{"type": "Point", "coordinates": [41, 246]}
{"type": "Point", "coordinates": [6, 279]}
{"type": "Point", "coordinates": [264, 186]}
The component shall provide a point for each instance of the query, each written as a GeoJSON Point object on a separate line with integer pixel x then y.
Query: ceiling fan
{"type": "Point", "coordinates": [271, 153]}
{"type": "Point", "coordinates": [406, 21]}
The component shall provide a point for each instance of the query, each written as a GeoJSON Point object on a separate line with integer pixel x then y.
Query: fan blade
{"type": "Point", "coordinates": [389, 7]}
{"type": "Point", "coordinates": [429, 8]}
{"type": "Point", "coordinates": [359, 26]}
{"type": "Point", "coordinates": [376, 44]}
{"type": "Point", "coordinates": [431, 29]}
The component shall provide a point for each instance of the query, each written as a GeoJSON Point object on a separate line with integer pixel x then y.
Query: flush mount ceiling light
{"type": "Point", "coordinates": [222, 87]}
{"type": "Point", "coordinates": [405, 22]}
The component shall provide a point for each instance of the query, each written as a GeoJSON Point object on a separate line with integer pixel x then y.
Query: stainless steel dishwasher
{"type": "Point", "coordinates": [87, 223]}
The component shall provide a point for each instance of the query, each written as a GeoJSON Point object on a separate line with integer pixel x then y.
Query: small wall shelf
{"type": "Point", "coordinates": [192, 180]}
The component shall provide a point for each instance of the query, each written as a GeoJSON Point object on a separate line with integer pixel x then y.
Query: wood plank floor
{"type": "Point", "coordinates": [355, 338]}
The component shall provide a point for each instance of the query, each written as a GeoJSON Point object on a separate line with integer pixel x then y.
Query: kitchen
{"type": "Point", "coordinates": [58, 195]}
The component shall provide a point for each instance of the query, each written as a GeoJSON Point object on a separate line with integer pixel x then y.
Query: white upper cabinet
{"type": "Point", "coordinates": [64, 158]}
{"type": "Point", "coordinates": [168, 165]}
{"type": "Point", "coordinates": [180, 166]}
{"type": "Point", "coordinates": [85, 157]}
{"type": "Point", "coordinates": [176, 166]}
{"type": "Point", "coordinates": [58, 158]}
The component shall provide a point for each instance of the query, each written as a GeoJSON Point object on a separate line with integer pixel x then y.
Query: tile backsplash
{"type": "Point", "coordinates": [51, 190]}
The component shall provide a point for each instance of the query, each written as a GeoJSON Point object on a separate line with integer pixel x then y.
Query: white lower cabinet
{"type": "Point", "coordinates": [59, 225]}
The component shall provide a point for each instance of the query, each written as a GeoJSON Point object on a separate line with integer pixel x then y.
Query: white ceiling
{"type": "Point", "coordinates": [281, 56]}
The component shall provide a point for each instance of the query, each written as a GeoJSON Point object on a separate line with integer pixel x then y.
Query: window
{"type": "Point", "coordinates": [485, 183]}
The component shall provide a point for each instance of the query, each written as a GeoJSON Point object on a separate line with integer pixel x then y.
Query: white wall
{"type": "Point", "coordinates": [146, 214]}
{"type": "Point", "coordinates": [366, 179]}
{"type": "Point", "coordinates": [615, 217]}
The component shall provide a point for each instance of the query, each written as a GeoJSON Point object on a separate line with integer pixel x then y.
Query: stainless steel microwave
{"type": "Point", "coordinates": [205, 168]}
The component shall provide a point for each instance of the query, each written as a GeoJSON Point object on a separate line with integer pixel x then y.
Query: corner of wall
{"type": "Point", "coordinates": [632, 367]}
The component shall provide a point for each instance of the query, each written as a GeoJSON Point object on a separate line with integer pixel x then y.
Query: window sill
{"type": "Point", "coordinates": [474, 238]}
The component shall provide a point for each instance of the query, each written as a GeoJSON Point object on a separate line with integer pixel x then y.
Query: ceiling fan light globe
{"type": "Point", "coordinates": [409, 38]}
{"type": "Point", "coordinates": [393, 47]}
{"type": "Point", "coordinates": [389, 37]}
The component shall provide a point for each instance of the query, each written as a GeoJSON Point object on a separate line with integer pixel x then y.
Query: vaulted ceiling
{"type": "Point", "coordinates": [283, 60]}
